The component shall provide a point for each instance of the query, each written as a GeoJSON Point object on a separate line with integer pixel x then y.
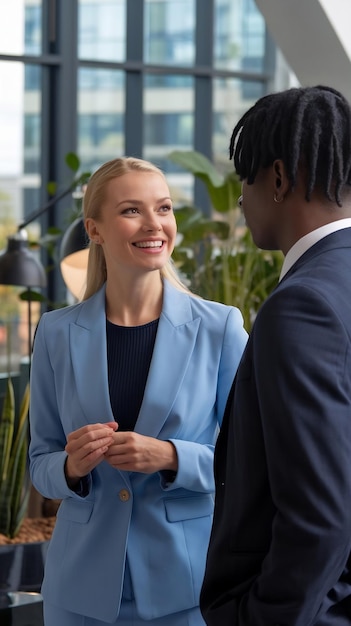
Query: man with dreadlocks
{"type": "Point", "coordinates": [280, 548]}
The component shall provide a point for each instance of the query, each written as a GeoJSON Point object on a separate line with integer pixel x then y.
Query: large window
{"type": "Point", "coordinates": [105, 78]}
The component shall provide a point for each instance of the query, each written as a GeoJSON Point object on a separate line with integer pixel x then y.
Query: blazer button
{"type": "Point", "coordinates": [124, 495]}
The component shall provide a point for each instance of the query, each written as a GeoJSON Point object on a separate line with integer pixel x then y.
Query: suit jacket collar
{"type": "Point", "coordinates": [336, 239]}
{"type": "Point", "coordinates": [175, 340]}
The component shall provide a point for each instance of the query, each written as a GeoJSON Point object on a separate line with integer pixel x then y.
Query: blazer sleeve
{"type": "Point", "coordinates": [47, 438]}
{"type": "Point", "coordinates": [195, 459]}
{"type": "Point", "coordinates": [234, 342]}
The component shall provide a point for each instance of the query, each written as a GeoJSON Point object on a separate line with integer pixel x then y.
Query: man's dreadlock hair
{"type": "Point", "coordinates": [308, 128]}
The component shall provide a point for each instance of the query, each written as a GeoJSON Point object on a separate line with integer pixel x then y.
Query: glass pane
{"type": "Point", "coordinates": [169, 124]}
{"type": "Point", "coordinates": [20, 27]}
{"type": "Point", "coordinates": [169, 37]}
{"type": "Point", "coordinates": [100, 116]}
{"type": "Point", "coordinates": [231, 98]}
{"type": "Point", "coordinates": [239, 36]}
{"type": "Point", "coordinates": [101, 30]}
{"type": "Point", "coordinates": [20, 115]}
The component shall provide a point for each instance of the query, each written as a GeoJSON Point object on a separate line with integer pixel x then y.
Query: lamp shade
{"type": "Point", "coordinates": [74, 253]}
{"type": "Point", "coordinates": [18, 266]}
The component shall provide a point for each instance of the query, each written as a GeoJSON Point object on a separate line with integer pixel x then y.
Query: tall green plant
{"type": "Point", "coordinates": [217, 254]}
{"type": "Point", "coordinates": [14, 477]}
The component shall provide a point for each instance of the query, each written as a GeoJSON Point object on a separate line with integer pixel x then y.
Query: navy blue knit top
{"type": "Point", "coordinates": [129, 352]}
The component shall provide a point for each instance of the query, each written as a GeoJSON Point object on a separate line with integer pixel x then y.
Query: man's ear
{"type": "Point", "coordinates": [281, 183]}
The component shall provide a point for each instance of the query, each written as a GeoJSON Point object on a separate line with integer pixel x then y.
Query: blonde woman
{"type": "Point", "coordinates": [128, 389]}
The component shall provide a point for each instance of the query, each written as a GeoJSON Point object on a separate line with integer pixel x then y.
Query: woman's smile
{"type": "Point", "coordinates": [150, 245]}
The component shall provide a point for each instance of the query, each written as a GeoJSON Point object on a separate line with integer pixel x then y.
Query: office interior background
{"type": "Point", "coordinates": [107, 78]}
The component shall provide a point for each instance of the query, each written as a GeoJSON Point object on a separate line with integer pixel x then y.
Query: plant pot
{"type": "Point", "coordinates": [21, 609]}
{"type": "Point", "coordinates": [22, 566]}
{"type": "Point", "coordinates": [21, 573]}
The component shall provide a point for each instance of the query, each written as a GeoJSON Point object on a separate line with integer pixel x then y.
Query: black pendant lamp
{"type": "Point", "coordinates": [19, 266]}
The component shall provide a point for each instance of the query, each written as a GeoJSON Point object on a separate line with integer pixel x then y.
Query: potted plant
{"type": "Point", "coordinates": [217, 255]}
{"type": "Point", "coordinates": [21, 557]}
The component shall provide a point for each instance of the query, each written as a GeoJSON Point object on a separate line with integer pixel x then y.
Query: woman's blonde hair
{"type": "Point", "coordinates": [94, 197]}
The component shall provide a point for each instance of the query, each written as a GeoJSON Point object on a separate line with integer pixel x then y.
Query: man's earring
{"type": "Point", "coordinates": [275, 198]}
{"type": "Point", "coordinates": [240, 202]}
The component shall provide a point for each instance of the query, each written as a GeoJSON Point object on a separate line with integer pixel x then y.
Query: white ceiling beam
{"type": "Point", "coordinates": [314, 37]}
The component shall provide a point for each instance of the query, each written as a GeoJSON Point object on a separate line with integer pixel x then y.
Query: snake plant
{"type": "Point", "coordinates": [14, 477]}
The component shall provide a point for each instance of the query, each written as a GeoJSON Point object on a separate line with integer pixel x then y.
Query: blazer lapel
{"type": "Point", "coordinates": [175, 340]}
{"type": "Point", "coordinates": [89, 359]}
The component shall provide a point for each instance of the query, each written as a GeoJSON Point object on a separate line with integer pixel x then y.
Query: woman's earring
{"type": "Point", "coordinates": [240, 202]}
{"type": "Point", "coordinates": [275, 198]}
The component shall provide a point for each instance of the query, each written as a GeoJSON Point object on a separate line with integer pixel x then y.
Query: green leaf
{"type": "Point", "coordinates": [6, 430]}
{"type": "Point", "coordinates": [197, 164]}
{"type": "Point", "coordinates": [72, 161]}
{"type": "Point", "coordinates": [18, 493]}
{"type": "Point", "coordinates": [31, 296]}
{"type": "Point", "coordinates": [54, 231]}
{"type": "Point", "coordinates": [7, 435]}
{"type": "Point", "coordinates": [51, 188]}
{"type": "Point", "coordinates": [223, 191]}
{"type": "Point", "coordinates": [83, 178]}
{"type": "Point", "coordinates": [13, 491]}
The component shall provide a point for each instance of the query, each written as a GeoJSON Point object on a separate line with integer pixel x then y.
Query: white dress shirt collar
{"type": "Point", "coordinates": [307, 241]}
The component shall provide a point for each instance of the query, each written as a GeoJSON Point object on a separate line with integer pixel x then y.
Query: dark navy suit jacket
{"type": "Point", "coordinates": [281, 540]}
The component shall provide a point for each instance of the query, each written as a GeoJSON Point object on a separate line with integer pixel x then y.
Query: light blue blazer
{"type": "Point", "coordinates": [162, 528]}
